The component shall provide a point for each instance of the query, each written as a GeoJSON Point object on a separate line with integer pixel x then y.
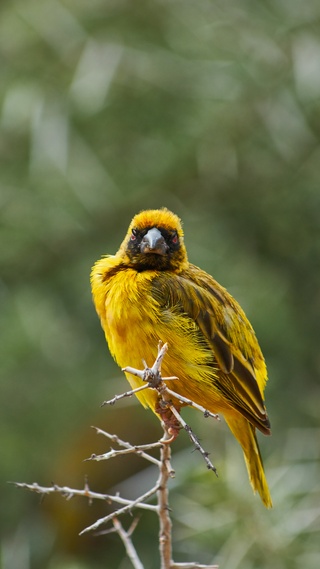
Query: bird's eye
{"type": "Point", "coordinates": [133, 235]}
{"type": "Point", "coordinates": [174, 239]}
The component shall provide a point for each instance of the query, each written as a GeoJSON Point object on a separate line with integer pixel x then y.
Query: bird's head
{"type": "Point", "coordinates": [154, 241]}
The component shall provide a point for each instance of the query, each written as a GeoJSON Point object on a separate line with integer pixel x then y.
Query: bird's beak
{"type": "Point", "coordinates": [153, 242]}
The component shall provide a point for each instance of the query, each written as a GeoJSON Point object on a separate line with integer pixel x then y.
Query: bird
{"type": "Point", "coordinates": [149, 292]}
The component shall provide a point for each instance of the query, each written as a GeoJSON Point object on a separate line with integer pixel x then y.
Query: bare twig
{"type": "Point", "coordinates": [122, 395]}
{"type": "Point", "coordinates": [69, 493]}
{"type": "Point", "coordinates": [126, 540]}
{"type": "Point", "coordinates": [151, 375]}
{"type": "Point", "coordinates": [128, 449]}
{"type": "Point", "coordinates": [192, 566]}
{"type": "Point", "coordinates": [194, 439]}
{"type": "Point", "coordinates": [113, 453]}
{"type": "Point", "coordinates": [190, 402]}
{"type": "Point", "coordinates": [115, 439]}
{"type": "Point", "coordinates": [139, 502]}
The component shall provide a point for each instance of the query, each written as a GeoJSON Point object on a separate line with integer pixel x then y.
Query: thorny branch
{"type": "Point", "coordinates": [153, 379]}
{"type": "Point", "coordinates": [129, 449]}
{"type": "Point", "coordinates": [69, 493]}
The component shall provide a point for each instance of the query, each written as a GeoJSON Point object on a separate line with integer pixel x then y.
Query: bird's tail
{"type": "Point", "coordinates": [245, 434]}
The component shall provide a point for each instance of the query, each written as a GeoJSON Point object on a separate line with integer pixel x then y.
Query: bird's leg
{"type": "Point", "coordinates": [170, 423]}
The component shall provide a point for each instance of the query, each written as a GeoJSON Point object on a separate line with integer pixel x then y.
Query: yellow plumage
{"type": "Point", "coordinates": [148, 292]}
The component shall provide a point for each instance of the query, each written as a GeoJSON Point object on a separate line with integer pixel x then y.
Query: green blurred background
{"type": "Point", "coordinates": [211, 108]}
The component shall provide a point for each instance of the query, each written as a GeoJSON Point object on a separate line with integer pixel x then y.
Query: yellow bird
{"type": "Point", "coordinates": [148, 291]}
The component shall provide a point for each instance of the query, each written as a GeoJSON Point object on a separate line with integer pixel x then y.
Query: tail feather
{"type": "Point", "coordinates": [246, 436]}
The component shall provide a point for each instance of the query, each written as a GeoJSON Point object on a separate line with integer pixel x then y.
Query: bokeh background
{"type": "Point", "coordinates": [211, 108]}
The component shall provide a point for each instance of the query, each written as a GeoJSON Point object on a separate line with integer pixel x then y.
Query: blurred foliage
{"type": "Point", "coordinates": [211, 108]}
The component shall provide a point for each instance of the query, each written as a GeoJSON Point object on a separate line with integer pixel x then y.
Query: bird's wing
{"type": "Point", "coordinates": [229, 334]}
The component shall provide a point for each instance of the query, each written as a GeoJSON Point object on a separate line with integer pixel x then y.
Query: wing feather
{"type": "Point", "coordinates": [229, 334]}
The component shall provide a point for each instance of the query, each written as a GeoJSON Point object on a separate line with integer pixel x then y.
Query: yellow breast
{"type": "Point", "coordinates": [134, 323]}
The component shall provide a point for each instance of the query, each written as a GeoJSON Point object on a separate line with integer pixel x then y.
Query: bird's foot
{"type": "Point", "coordinates": [170, 423]}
